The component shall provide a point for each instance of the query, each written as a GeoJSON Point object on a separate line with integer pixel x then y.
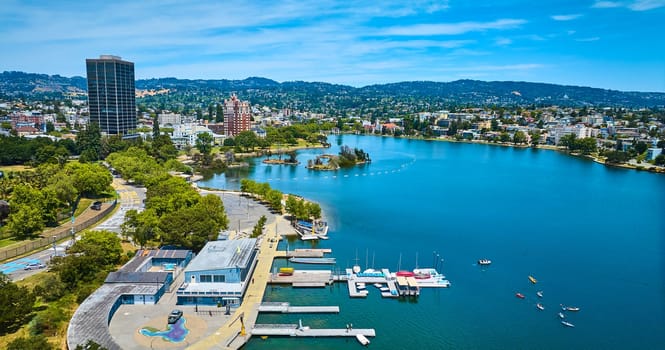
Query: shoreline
{"type": "Point", "coordinates": [650, 168]}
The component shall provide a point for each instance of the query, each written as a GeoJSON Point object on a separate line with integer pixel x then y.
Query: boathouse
{"type": "Point", "coordinates": [218, 274]}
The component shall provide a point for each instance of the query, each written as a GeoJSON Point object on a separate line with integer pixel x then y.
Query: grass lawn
{"type": "Point", "coordinates": [8, 168]}
{"type": "Point", "coordinates": [7, 242]}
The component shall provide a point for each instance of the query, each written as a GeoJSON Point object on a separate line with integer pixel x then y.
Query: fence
{"type": "Point", "coordinates": [53, 235]}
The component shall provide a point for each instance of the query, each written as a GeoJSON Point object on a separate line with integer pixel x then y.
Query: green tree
{"type": "Point", "coordinates": [15, 305]}
{"type": "Point", "coordinates": [50, 288]}
{"type": "Point", "coordinates": [142, 227]}
{"type": "Point", "coordinates": [258, 228]}
{"type": "Point", "coordinates": [568, 141]}
{"type": "Point", "coordinates": [204, 143]}
{"type": "Point", "coordinates": [313, 210]}
{"type": "Point", "coordinates": [247, 140]}
{"type": "Point", "coordinates": [25, 220]}
{"type": "Point", "coordinates": [219, 113]}
{"type": "Point", "coordinates": [89, 143]}
{"type": "Point", "coordinates": [504, 137]}
{"type": "Point", "coordinates": [90, 345]}
{"type": "Point", "coordinates": [33, 342]}
{"type": "Point", "coordinates": [89, 179]}
{"type": "Point", "coordinates": [641, 147]}
{"type": "Point", "coordinates": [519, 137]}
{"type": "Point", "coordinates": [274, 198]}
{"type": "Point", "coordinates": [659, 160]}
{"type": "Point", "coordinates": [155, 127]}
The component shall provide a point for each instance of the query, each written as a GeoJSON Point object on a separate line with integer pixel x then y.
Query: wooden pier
{"type": "Point", "coordinates": [286, 308]}
{"type": "Point", "coordinates": [293, 330]}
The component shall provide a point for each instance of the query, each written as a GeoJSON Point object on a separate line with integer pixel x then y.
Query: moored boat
{"type": "Point", "coordinates": [362, 339]}
{"type": "Point", "coordinates": [286, 271]}
{"type": "Point", "coordinates": [533, 280]}
{"type": "Point", "coordinates": [539, 293]}
{"type": "Point", "coordinates": [540, 306]}
{"type": "Point", "coordinates": [561, 315]}
{"type": "Point", "coordinates": [520, 295]}
{"type": "Point", "coordinates": [312, 260]}
{"type": "Point", "coordinates": [404, 274]}
{"type": "Point", "coordinates": [567, 324]}
{"type": "Point", "coordinates": [572, 308]}
{"type": "Point", "coordinates": [484, 262]}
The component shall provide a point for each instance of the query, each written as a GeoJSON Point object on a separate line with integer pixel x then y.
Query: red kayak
{"type": "Point", "coordinates": [405, 274]}
{"type": "Point", "coordinates": [519, 295]}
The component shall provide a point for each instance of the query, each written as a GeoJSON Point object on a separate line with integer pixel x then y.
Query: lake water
{"type": "Point", "coordinates": [593, 236]}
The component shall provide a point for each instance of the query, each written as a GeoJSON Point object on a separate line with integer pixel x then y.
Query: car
{"type": "Point", "coordinates": [34, 266]}
{"type": "Point", "coordinates": [174, 316]}
{"type": "Point", "coordinates": [96, 205]}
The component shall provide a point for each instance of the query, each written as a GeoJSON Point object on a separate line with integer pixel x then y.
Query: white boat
{"type": "Point", "coordinates": [539, 293]}
{"type": "Point", "coordinates": [360, 285]}
{"type": "Point", "coordinates": [484, 262]}
{"type": "Point", "coordinates": [567, 324]}
{"type": "Point", "coordinates": [540, 306]}
{"type": "Point", "coordinates": [378, 285]}
{"type": "Point", "coordinates": [561, 315]}
{"type": "Point", "coordinates": [312, 260]}
{"type": "Point", "coordinates": [362, 339]}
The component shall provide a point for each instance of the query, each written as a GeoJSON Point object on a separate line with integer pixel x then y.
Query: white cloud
{"type": "Point", "coordinates": [606, 4]}
{"type": "Point", "coordinates": [452, 28]}
{"type": "Point", "coordinates": [503, 41]}
{"type": "Point", "coordinates": [635, 5]}
{"type": "Point", "coordinates": [566, 17]}
{"type": "Point", "coordinates": [644, 5]}
{"type": "Point", "coordinates": [594, 38]}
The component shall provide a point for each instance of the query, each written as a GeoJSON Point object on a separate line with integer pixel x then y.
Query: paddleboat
{"type": "Point", "coordinates": [484, 262]}
{"type": "Point", "coordinates": [520, 295]}
{"type": "Point", "coordinates": [567, 324]}
{"type": "Point", "coordinates": [539, 293]}
{"type": "Point", "coordinates": [540, 306]}
{"type": "Point", "coordinates": [533, 280]}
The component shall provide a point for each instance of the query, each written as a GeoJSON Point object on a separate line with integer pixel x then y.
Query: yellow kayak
{"type": "Point", "coordinates": [533, 280]}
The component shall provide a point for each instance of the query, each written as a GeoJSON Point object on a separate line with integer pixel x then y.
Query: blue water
{"type": "Point", "coordinates": [593, 236]}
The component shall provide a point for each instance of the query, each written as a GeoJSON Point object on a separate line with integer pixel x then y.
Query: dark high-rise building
{"type": "Point", "coordinates": [111, 95]}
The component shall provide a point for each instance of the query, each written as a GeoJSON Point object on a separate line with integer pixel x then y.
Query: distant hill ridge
{"type": "Point", "coordinates": [474, 92]}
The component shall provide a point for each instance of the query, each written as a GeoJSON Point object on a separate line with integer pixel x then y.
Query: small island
{"type": "Point", "coordinates": [291, 160]}
{"type": "Point", "coordinates": [347, 158]}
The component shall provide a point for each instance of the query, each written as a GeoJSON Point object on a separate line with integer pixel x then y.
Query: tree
{"type": "Point", "coordinates": [313, 210]}
{"type": "Point", "coordinates": [103, 246]}
{"type": "Point", "coordinates": [535, 138]}
{"type": "Point", "coordinates": [274, 198]}
{"type": "Point", "coordinates": [89, 143]}
{"type": "Point", "coordinates": [659, 160]}
{"type": "Point", "coordinates": [15, 305]}
{"type": "Point", "coordinates": [258, 228]}
{"type": "Point", "coordinates": [219, 113]}
{"type": "Point", "coordinates": [89, 179]}
{"type": "Point", "coordinates": [246, 140]}
{"type": "Point", "coordinates": [504, 137]}
{"type": "Point", "coordinates": [568, 141]}
{"type": "Point", "coordinates": [519, 137]}
{"type": "Point", "coordinates": [641, 147]}
{"type": "Point", "coordinates": [155, 127]}
{"type": "Point", "coordinates": [90, 345]}
{"type": "Point", "coordinates": [142, 227]}
{"type": "Point", "coordinates": [204, 143]}
{"type": "Point", "coordinates": [25, 220]}
{"type": "Point", "coordinates": [33, 342]}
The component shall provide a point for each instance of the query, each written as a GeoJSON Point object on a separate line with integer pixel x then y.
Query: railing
{"type": "Point", "coordinates": [52, 235]}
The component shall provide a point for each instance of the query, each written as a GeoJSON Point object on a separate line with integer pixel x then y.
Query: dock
{"type": "Point", "coordinates": [304, 278]}
{"type": "Point", "coordinates": [302, 253]}
{"type": "Point", "coordinates": [286, 308]}
{"type": "Point", "coordinates": [293, 330]}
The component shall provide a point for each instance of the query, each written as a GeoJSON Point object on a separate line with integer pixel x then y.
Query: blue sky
{"type": "Point", "coordinates": [607, 44]}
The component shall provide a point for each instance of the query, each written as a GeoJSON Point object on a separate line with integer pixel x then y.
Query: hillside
{"type": "Point", "coordinates": [323, 97]}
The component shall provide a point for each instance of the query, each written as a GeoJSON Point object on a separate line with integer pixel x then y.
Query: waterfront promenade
{"type": "Point", "coordinates": [229, 335]}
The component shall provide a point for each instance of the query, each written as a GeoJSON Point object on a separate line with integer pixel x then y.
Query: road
{"type": "Point", "coordinates": [131, 197]}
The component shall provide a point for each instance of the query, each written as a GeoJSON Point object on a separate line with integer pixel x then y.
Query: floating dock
{"type": "Point", "coordinates": [286, 308]}
{"type": "Point", "coordinates": [304, 278]}
{"type": "Point", "coordinates": [302, 253]}
{"type": "Point", "coordinates": [293, 330]}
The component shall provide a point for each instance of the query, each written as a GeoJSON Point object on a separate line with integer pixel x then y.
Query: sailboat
{"type": "Point", "coordinates": [356, 267]}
